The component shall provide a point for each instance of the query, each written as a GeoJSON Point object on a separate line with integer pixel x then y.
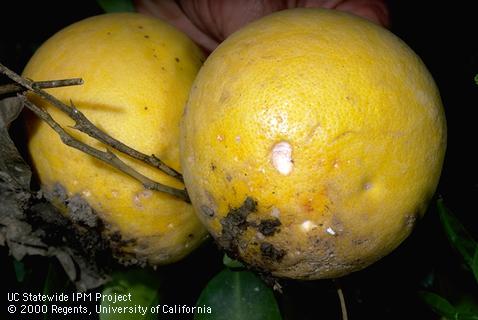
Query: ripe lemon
{"type": "Point", "coordinates": [137, 73]}
{"type": "Point", "coordinates": [311, 142]}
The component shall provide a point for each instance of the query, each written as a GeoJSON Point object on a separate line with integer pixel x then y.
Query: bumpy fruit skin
{"type": "Point", "coordinates": [311, 143]}
{"type": "Point", "coordinates": [137, 73]}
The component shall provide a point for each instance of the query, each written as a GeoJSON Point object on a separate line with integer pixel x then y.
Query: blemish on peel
{"type": "Point", "coordinates": [330, 231]}
{"type": "Point", "coordinates": [336, 164]}
{"type": "Point", "coordinates": [137, 201]}
{"type": "Point", "coordinates": [170, 226]}
{"type": "Point", "coordinates": [275, 213]}
{"type": "Point", "coordinates": [238, 139]}
{"type": "Point", "coordinates": [138, 197]}
{"type": "Point", "coordinates": [208, 212]}
{"type": "Point", "coordinates": [86, 193]}
{"type": "Point", "coordinates": [114, 193]}
{"type": "Point", "coordinates": [146, 194]}
{"type": "Point", "coordinates": [307, 225]}
{"type": "Point", "coordinates": [367, 186]}
{"type": "Point", "coordinates": [220, 138]}
{"type": "Point", "coordinates": [260, 236]}
{"type": "Point", "coordinates": [281, 157]}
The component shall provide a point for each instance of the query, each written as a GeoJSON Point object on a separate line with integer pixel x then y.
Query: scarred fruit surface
{"type": "Point", "coordinates": [311, 143]}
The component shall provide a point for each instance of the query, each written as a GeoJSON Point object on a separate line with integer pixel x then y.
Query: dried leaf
{"type": "Point", "coordinates": [30, 225]}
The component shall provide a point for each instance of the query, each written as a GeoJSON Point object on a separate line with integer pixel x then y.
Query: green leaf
{"type": "Point", "coordinates": [474, 266]}
{"type": "Point", "coordinates": [467, 304]}
{"type": "Point", "coordinates": [444, 308]}
{"type": "Point", "coordinates": [20, 271]}
{"type": "Point", "coordinates": [476, 79]}
{"type": "Point", "coordinates": [238, 295]}
{"type": "Point", "coordinates": [457, 234]}
{"type": "Point", "coordinates": [438, 304]}
{"type": "Point", "coordinates": [56, 280]}
{"type": "Point", "coordinates": [116, 5]}
{"type": "Point", "coordinates": [231, 263]}
{"type": "Point", "coordinates": [140, 287]}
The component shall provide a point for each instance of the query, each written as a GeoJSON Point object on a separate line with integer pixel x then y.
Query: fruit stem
{"type": "Point", "coordinates": [340, 293]}
{"type": "Point", "coordinates": [84, 125]}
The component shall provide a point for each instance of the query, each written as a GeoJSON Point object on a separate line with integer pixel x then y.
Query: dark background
{"type": "Point", "coordinates": [444, 34]}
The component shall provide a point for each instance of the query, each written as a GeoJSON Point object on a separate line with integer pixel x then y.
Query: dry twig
{"type": "Point", "coordinates": [16, 88]}
{"type": "Point", "coordinates": [84, 125]}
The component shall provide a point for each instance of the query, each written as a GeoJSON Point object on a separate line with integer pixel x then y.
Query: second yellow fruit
{"type": "Point", "coordinates": [137, 73]}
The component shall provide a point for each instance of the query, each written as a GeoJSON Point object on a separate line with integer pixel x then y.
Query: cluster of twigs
{"type": "Point", "coordinates": [22, 85]}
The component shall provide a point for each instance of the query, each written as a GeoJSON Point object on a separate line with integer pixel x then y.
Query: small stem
{"type": "Point", "coordinates": [340, 293]}
{"type": "Point", "coordinates": [84, 125]}
{"type": "Point", "coordinates": [15, 88]}
{"type": "Point", "coordinates": [106, 156]}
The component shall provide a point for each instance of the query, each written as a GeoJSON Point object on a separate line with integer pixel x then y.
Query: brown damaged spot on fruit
{"type": "Point", "coordinates": [77, 208]}
{"type": "Point", "coordinates": [95, 234]}
{"type": "Point", "coordinates": [411, 220]}
{"type": "Point", "coordinates": [208, 212]}
{"type": "Point", "coordinates": [268, 227]}
{"type": "Point", "coordinates": [234, 225]}
{"type": "Point", "coordinates": [80, 211]}
{"type": "Point", "coordinates": [139, 197]}
{"type": "Point", "coordinates": [270, 252]}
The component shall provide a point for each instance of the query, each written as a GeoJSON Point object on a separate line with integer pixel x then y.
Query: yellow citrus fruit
{"type": "Point", "coordinates": [311, 142]}
{"type": "Point", "coordinates": [137, 73]}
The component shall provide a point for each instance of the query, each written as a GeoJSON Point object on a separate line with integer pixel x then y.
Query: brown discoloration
{"type": "Point", "coordinates": [80, 211]}
{"type": "Point", "coordinates": [58, 193]}
{"type": "Point", "coordinates": [89, 234]}
{"type": "Point", "coordinates": [270, 252]}
{"type": "Point", "coordinates": [359, 242]}
{"type": "Point", "coordinates": [208, 212]}
{"type": "Point", "coordinates": [411, 220]}
{"type": "Point", "coordinates": [76, 207]}
{"type": "Point", "coordinates": [268, 227]}
{"type": "Point", "coordinates": [307, 206]}
{"type": "Point", "coordinates": [234, 225]}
